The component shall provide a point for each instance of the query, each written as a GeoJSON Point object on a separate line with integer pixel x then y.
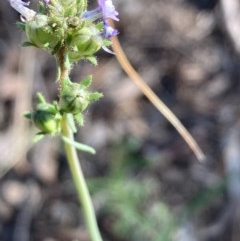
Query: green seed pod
{"type": "Point", "coordinates": [40, 33]}
{"type": "Point", "coordinates": [73, 98]}
{"type": "Point", "coordinates": [85, 43]}
{"type": "Point", "coordinates": [46, 117]}
{"type": "Point", "coordinates": [46, 122]}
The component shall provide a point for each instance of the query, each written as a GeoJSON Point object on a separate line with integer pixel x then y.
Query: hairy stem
{"type": "Point", "coordinates": [72, 157]}
{"type": "Point", "coordinates": [64, 65]}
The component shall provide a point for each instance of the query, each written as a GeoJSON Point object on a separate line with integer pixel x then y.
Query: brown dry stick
{"type": "Point", "coordinates": [147, 91]}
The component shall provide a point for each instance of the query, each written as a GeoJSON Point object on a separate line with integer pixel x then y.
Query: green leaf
{"type": "Point", "coordinates": [87, 81]}
{"type": "Point", "coordinates": [79, 119]}
{"type": "Point", "coordinates": [99, 26]}
{"type": "Point", "coordinates": [56, 48]}
{"type": "Point", "coordinates": [38, 137]}
{"type": "Point", "coordinates": [21, 25]}
{"type": "Point", "coordinates": [69, 39]}
{"type": "Point", "coordinates": [79, 146]}
{"type": "Point", "coordinates": [27, 44]}
{"type": "Point", "coordinates": [92, 60]}
{"type": "Point", "coordinates": [40, 98]}
{"type": "Point", "coordinates": [95, 96]}
{"type": "Point", "coordinates": [107, 42]}
{"type": "Point", "coordinates": [41, 8]}
{"type": "Point", "coordinates": [28, 115]}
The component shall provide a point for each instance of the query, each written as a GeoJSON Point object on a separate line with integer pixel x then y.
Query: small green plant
{"type": "Point", "coordinates": [134, 216]}
{"type": "Point", "coordinates": [131, 201]}
{"type": "Point", "coordinates": [71, 33]}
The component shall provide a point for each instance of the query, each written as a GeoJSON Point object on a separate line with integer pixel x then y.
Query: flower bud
{"type": "Point", "coordinates": [40, 33]}
{"type": "Point", "coordinates": [85, 43]}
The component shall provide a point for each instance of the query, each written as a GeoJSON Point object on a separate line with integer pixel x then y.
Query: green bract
{"type": "Point", "coordinates": [75, 98]}
{"type": "Point", "coordinates": [40, 33]}
{"type": "Point", "coordinates": [46, 117]}
{"type": "Point", "coordinates": [46, 122]}
{"type": "Point", "coordinates": [68, 7]}
{"type": "Point", "coordinates": [74, 101]}
{"type": "Point", "coordinates": [84, 43]}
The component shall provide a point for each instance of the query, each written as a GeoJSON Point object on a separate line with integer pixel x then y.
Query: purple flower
{"type": "Point", "coordinates": [21, 7]}
{"type": "Point", "coordinates": [105, 10]}
{"type": "Point", "coordinates": [108, 9]}
{"type": "Point", "coordinates": [109, 31]}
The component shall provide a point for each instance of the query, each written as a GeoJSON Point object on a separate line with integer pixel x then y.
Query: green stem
{"type": "Point", "coordinates": [64, 68]}
{"type": "Point", "coordinates": [80, 183]}
{"type": "Point", "coordinates": [63, 65]}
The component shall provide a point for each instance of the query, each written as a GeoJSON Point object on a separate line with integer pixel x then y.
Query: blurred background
{"type": "Point", "coordinates": [145, 182]}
